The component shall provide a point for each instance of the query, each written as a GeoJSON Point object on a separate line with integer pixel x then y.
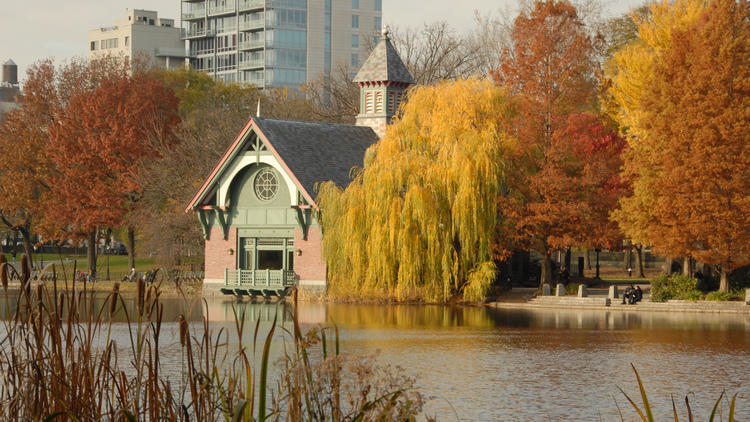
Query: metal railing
{"type": "Point", "coordinates": [252, 44]}
{"type": "Point", "coordinates": [259, 278]}
{"type": "Point", "coordinates": [252, 24]}
{"type": "Point", "coordinates": [197, 32]}
{"type": "Point", "coordinates": [251, 64]}
{"type": "Point", "coordinates": [217, 9]}
{"type": "Point", "coordinates": [251, 4]}
{"type": "Point", "coordinates": [194, 14]}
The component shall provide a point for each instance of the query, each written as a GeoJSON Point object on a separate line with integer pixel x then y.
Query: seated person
{"type": "Point", "coordinates": [627, 296]}
{"type": "Point", "coordinates": [638, 293]}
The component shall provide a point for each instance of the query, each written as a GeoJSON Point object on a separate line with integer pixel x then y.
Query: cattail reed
{"type": "Point", "coordinates": [4, 273]}
{"type": "Point", "coordinates": [25, 268]}
{"type": "Point", "coordinates": [184, 335]}
{"type": "Point", "coordinates": [140, 292]}
{"type": "Point", "coordinates": [60, 302]}
{"type": "Point", "coordinates": [113, 299]}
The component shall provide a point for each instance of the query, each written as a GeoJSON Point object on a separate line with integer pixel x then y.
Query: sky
{"type": "Point", "coordinates": [30, 31]}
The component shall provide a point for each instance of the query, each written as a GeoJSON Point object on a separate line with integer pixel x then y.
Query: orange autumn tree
{"type": "Point", "coordinates": [693, 164]}
{"type": "Point", "coordinates": [551, 68]}
{"type": "Point", "coordinates": [98, 145]}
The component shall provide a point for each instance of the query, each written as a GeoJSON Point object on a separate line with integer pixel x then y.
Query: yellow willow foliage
{"type": "Point", "coordinates": [631, 68]}
{"type": "Point", "coordinates": [421, 216]}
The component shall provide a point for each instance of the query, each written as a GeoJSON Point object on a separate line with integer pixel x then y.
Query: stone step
{"type": "Point", "coordinates": [570, 300]}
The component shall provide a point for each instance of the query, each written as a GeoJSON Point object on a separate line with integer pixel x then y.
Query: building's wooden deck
{"type": "Point", "coordinates": [265, 283]}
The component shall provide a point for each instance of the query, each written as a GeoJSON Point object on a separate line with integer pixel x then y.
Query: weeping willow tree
{"type": "Point", "coordinates": [420, 220]}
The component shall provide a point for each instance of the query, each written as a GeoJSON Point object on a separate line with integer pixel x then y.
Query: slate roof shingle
{"type": "Point", "coordinates": [384, 64]}
{"type": "Point", "coordinates": [318, 152]}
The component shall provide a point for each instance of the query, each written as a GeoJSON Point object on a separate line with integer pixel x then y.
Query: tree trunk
{"type": "Point", "coordinates": [724, 280]}
{"type": "Point", "coordinates": [28, 248]}
{"type": "Point", "coordinates": [546, 276]}
{"type": "Point", "coordinates": [91, 254]}
{"type": "Point", "coordinates": [15, 244]}
{"type": "Point", "coordinates": [639, 260]}
{"type": "Point", "coordinates": [628, 256]}
{"type": "Point", "coordinates": [588, 259]}
{"type": "Point", "coordinates": [667, 266]}
{"type": "Point", "coordinates": [597, 264]}
{"type": "Point", "coordinates": [567, 259]}
{"type": "Point", "coordinates": [131, 247]}
{"type": "Point", "coordinates": [686, 267]}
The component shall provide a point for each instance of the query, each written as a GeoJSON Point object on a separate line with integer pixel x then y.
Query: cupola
{"type": "Point", "coordinates": [383, 80]}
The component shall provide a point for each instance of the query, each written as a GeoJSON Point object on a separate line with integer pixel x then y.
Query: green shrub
{"type": "Point", "coordinates": [724, 296]}
{"type": "Point", "coordinates": [676, 286]}
{"type": "Point", "coordinates": [572, 289]}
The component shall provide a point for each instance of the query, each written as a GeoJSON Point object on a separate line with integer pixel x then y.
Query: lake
{"type": "Point", "coordinates": [487, 364]}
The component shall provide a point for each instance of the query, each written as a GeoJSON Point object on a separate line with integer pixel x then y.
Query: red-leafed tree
{"type": "Point", "coordinates": [98, 145]}
{"type": "Point", "coordinates": [579, 186]}
{"type": "Point", "coordinates": [551, 68]}
{"type": "Point", "coordinates": [27, 169]}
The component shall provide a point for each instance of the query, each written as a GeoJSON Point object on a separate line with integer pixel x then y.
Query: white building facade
{"type": "Point", "coordinates": [140, 32]}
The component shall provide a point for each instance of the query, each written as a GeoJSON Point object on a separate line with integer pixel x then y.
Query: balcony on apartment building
{"type": "Point", "coordinates": [245, 5]}
{"type": "Point", "coordinates": [188, 33]}
{"type": "Point", "coordinates": [196, 13]}
{"type": "Point", "coordinates": [221, 8]}
{"type": "Point", "coordinates": [252, 44]}
{"type": "Point", "coordinates": [253, 24]}
{"type": "Point", "coordinates": [252, 64]}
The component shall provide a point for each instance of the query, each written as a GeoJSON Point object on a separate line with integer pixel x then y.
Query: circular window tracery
{"type": "Point", "coordinates": [266, 185]}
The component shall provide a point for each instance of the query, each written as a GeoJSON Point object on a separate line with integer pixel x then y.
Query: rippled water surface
{"type": "Point", "coordinates": [486, 364]}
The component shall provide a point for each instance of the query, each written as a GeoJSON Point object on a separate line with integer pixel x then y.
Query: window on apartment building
{"type": "Point", "coordinates": [110, 43]}
{"type": "Point", "coordinates": [127, 41]}
{"type": "Point", "coordinates": [355, 21]}
{"type": "Point", "coordinates": [377, 23]}
{"type": "Point", "coordinates": [355, 60]}
{"type": "Point", "coordinates": [93, 45]}
{"type": "Point", "coordinates": [355, 41]}
{"type": "Point", "coordinates": [355, 4]}
{"type": "Point", "coordinates": [378, 5]}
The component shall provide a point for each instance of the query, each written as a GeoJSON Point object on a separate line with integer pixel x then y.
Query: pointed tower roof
{"type": "Point", "coordinates": [384, 65]}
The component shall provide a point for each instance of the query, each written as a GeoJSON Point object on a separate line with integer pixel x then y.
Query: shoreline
{"type": "Point", "coordinates": [166, 290]}
{"type": "Point", "coordinates": [601, 303]}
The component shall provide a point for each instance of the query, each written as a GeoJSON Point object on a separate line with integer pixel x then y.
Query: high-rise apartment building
{"type": "Point", "coordinates": [144, 32]}
{"type": "Point", "coordinates": [278, 43]}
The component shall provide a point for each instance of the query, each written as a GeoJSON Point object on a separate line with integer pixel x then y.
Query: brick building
{"type": "Point", "coordinates": [257, 208]}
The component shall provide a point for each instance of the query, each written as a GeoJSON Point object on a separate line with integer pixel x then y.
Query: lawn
{"type": "Point", "coordinates": [118, 264]}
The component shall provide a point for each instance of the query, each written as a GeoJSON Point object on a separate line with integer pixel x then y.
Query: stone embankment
{"type": "Point", "coordinates": [611, 300]}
